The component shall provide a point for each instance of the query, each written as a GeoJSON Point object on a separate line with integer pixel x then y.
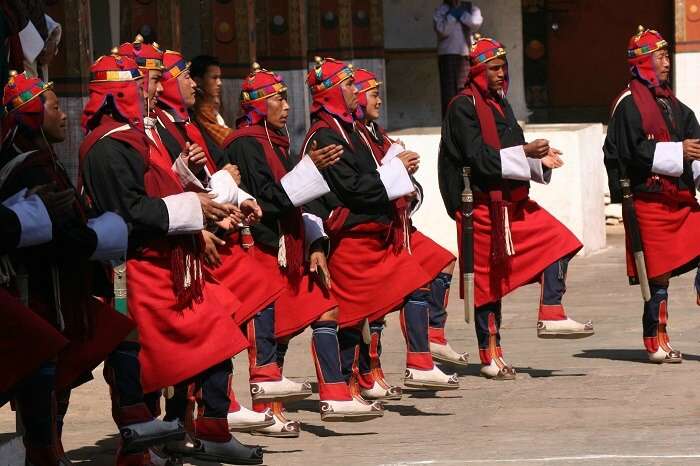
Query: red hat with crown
{"type": "Point", "coordinates": [21, 103]}
{"type": "Point", "coordinates": [257, 87]}
{"type": "Point", "coordinates": [174, 65]}
{"type": "Point", "coordinates": [483, 51]}
{"type": "Point", "coordinates": [641, 47]}
{"type": "Point", "coordinates": [324, 83]}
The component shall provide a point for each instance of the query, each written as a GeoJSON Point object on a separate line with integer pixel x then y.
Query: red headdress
{"type": "Point", "coordinates": [483, 51]}
{"type": "Point", "coordinates": [21, 104]}
{"type": "Point", "coordinates": [323, 81]}
{"type": "Point", "coordinates": [256, 89]}
{"type": "Point", "coordinates": [639, 55]}
{"type": "Point", "coordinates": [365, 81]}
{"type": "Point", "coordinates": [114, 81]}
{"type": "Point", "coordinates": [174, 64]}
{"type": "Point", "coordinates": [147, 56]}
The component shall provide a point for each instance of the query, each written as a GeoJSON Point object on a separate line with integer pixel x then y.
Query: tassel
{"type": "Point", "coordinates": [510, 248]}
{"type": "Point", "coordinates": [498, 235]}
{"type": "Point", "coordinates": [282, 253]}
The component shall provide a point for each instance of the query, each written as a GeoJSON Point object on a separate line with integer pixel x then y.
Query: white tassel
{"type": "Point", "coordinates": [7, 271]}
{"type": "Point", "coordinates": [56, 279]}
{"type": "Point", "coordinates": [510, 248]}
{"type": "Point", "coordinates": [282, 253]}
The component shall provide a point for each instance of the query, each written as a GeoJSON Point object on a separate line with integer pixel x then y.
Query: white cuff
{"type": "Point", "coordinates": [395, 179]}
{"type": "Point", "coordinates": [184, 213]}
{"type": "Point", "coordinates": [33, 218]}
{"type": "Point", "coordinates": [112, 237]}
{"type": "Point", "coordinates": [224, 186]}
{"type": "Point", "coordinates": [668, 159]}
{"type": "Point", "coordinates": [243, 196]}
{"type": "Point", "coordinates": [313, 230]}
{"type": "Point", "coordinates": [183, 172]}
{"type": "Point", "coordinates": [538, 172]}
{"type": "Point", "coordinates": [304, 183]}
{"type": "Point", "coordinates": [514, 164]}
{"type": "Point", "coordinates": [696, 173]}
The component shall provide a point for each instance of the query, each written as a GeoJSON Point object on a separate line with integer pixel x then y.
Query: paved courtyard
{"type": "Point", "coordinates": [593, 401]}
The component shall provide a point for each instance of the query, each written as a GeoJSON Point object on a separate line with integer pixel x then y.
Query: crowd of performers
{"type": "Point", "coordinates": [187, 241]}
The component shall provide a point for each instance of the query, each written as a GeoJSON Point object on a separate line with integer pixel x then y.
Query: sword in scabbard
{"type": "Point", "coordinates": [468, 246]}
{"type": "Point", "coordinates": [629, 217]}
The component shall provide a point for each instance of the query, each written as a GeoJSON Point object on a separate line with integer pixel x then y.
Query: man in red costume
{"type": "Point", "coordinates": [366, 244]}
{"type": "Point", "coordinates": [434, 259]}
{"type": "Point", "coordinates": [653, 140]}
{"type": "Point", "coordinates": [516, 242]}
{"type": "Point", "coordinates": [291, 244]}
{"type": "Point", "coordinates": [185, 320]}
{"type": "Point", "coordinates": [59, 280]}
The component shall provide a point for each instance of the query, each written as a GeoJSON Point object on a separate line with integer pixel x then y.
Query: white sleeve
{"type": "Point", "coordinates": [696, 173]}
{"type": "Point", "coordinates": [514, 164]}
{"type": "Point", "coordinates": [112, 237]}
{"type": "Point", "coordinates": [224, 186]}
{"type": "Point", "coordinates": [538, 172]}
{"type": "Point", "coordinates": [442, 21]}
{"type": "Point", "coordinates": [33, 218]}
{"type": "Point", "coordinates": [184, 213]}
{"type": "Point", "coordinates": [187, 178]}
{"type": "Point", "coordinates": [473, 20]}
{"type": "Point", "coordinates": [668, 159]}
{"type": "Point", "coordinates": [395, 179]}
{"type": "Point", "coordinates": [304, 183]}
{"type": "Point", "coordinates": [313, 230]}
{"type": "Point", "coordinates": [32, 43]}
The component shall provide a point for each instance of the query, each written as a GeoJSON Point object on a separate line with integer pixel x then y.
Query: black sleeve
{"type": "Point", "coordinates": [626, 141]}
{"type": "Point", "coordinates": [360, 191]}
{"type": "Point", "coordinates": [10, 230]}
{"type": "Point", "coordinates": [113, 174]}
{"type": "Point", "coordinates": [692, 129]}
{"type": "Point", "coordinates": [256, 177]}
{"type": "Point", "coordinates": [467, 144]}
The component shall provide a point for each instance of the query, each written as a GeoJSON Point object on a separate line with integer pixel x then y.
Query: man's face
{"type": "Point", "coordinates": [374, 103]}
{"type": "Point", "coordinates": [210, 83]}
{"type": "Point", "coordinates": [277, 111]}
{"type": "Point", "coordinates": [662, 64]}
{"type": "Point", "coordinates": [496, 74]}
{"type": "Point", "coordinates": [187, 87]}
{"type": "Point", "coordinates": [349, 93]}
{"type": "Point", "coordinates": [54, 125]}
{"type": "Point", "coordinates": [154, 88]}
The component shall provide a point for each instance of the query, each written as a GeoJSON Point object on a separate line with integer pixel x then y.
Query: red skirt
{"type": "Point", "coordinates": [297, 306]}
{"type": "Point", "coordinates": [179, 344]}
{"type": "Point", "coordinates": [248, 279]}
{"type": "Point", "coordinates": [539, 239]}
{"type": "Point", "coordinates": [432, 257]}
{"type": "Point", "coordinates": [26, 341]}
{"type": "Point", "coordinates": [670, 227]}
{"type": "Point", "coordinates": [369, 278]}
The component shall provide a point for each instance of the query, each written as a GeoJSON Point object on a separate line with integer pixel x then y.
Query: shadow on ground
{"type": "Point", "coordinates": [628, 355]}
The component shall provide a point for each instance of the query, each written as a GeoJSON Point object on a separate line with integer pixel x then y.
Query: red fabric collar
{"type": "Point", "coordinates": [652, 119]}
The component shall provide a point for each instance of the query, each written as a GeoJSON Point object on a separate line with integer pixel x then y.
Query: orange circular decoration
{"type": "Point", "coordinates": [534, 50]}
{"type": "Point", "coordinates": [224, 32]}
{"type": "Point", "coordinates": [692, 10]}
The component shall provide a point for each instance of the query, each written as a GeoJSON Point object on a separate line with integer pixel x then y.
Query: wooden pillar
{"type": "Point", "coordinates": [687, 16]}
{"type": "Point", "coordinates": [156, 20]}
{"type": "Point", "coordinates": [280, 34]}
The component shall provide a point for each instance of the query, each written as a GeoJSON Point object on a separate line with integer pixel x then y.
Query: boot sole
{"type": "Point", "coordinates": [430, 385]}
{"type": "Point", "coordinates": [449, 361]}
{"type": "Point", "coordinates": [249, 427]}
{"type": "Point", "coordinates": [143, 444]}
{"type": "Point", "coordinates": [223, 459]}
{"type": "Point", "coordinates": [348, 417]}
{"type": "Point", "coordinates": [560, 335]}
{"type": "Point", "coordinates": [286, 398]}
{"type": "Point", "coordinates": [383, 398]}
{"type": "Point", "coordinates": [499, 377]}
{"type": "Point", "coordinates": [276, 434]}
{"type": "Point", "coordinates": [668, 361]}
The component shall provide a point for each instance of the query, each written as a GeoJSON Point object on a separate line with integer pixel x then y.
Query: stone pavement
{"type": "Point", "coordinates": [593, 401]}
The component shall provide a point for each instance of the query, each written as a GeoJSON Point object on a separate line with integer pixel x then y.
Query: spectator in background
{"type": "Point", "coordinates": [454, 22]}
{"type": "Point", "coordinates": [206, 72]}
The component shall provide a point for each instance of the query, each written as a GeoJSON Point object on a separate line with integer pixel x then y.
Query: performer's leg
{"type": "Point", "coordinates": [487, 322]}
{"type": "Point", "coordinates": [439, 346]}
{"type": "Point", "coordinates": [655, 321]}
{"type": "Point", "coordinates": [552, 320]}
{"type": "Point", "coordinates": [138, 427]}
{"type": "Point", "coordinates": [421, 372]}
{"type": "Point", "coordinates": [212, 440]}
{"type": "Point", "coordinates": [337, 403]}
{"type": "Point", "coordinates": [697, 286]}
{"type": "Point", "coordinates": [371, 380]}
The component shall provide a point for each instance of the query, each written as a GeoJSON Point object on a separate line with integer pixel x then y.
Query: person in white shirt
{"type": "Point", "coordinates": [454, 22]}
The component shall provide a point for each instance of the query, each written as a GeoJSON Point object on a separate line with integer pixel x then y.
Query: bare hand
{"type": "Point", "coordinates": [537, 149]}
{"type": "Point", "coordinates": [211, 254]}
{"type": "Point", "coordinates": [552, 159]}
{"type": "Point", "coordinates": [400, 142]}
{"type": "Point", "coordinates": [252, 213]}
{"type": "Point", "coordinates": [212, 211]}
{"type": "Point", "coordinates": [194, 156]}
{"type": "Point", "coordinates": [691, 149]}
{"type": "Point", "coordinates": [326, 156]}
{"type": "Point", "coordinates": [234, 172]}
{"type": "Point", "coordinates": [235, 215]}
{"type": "Point", "coordinates": [410, 160]}
{"type": "Point", "coordinates": [318, 264]}
{"type": "Point", "coordinates": [59, 204]}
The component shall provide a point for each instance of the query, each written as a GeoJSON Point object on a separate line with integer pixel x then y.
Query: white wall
{"type": "Point", "coordinates": [687, 70]}
{"type": "Point", "coordinates": [575, 195]}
